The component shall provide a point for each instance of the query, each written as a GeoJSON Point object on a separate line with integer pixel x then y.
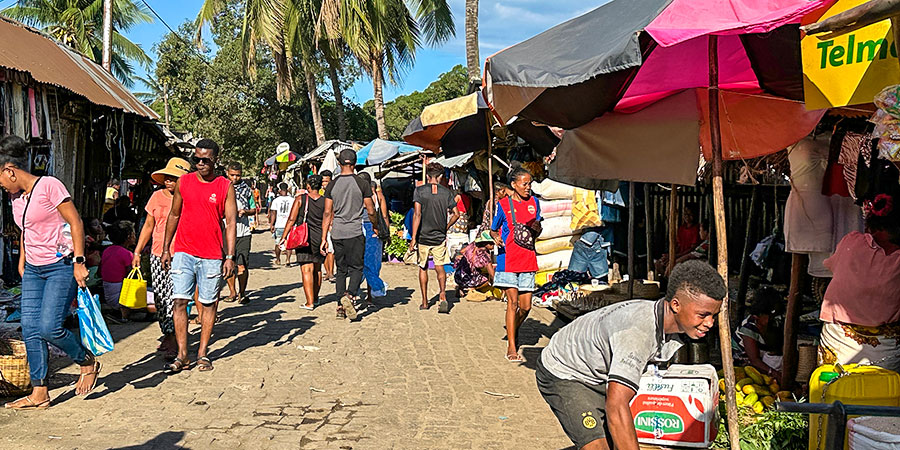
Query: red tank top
{"type": "Point", "coordinates": [200, 226]}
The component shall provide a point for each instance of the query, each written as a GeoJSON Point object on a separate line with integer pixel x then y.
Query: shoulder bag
{"type": "Point", "coordinates": [299, 236]}
{"type": "Point", "coordinates": [522, 235]}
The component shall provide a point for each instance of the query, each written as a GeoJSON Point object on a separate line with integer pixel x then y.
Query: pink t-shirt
{"type": "Point", "coordinates": [44, 224]}
{"type": "Point", "coordinates": [158, 207]}
{"type": "Point", "coordinates": [865, 289]}
{"type": "Point", "coordinates": [115, 264]}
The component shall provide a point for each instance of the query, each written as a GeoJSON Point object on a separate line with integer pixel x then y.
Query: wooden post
{"type": "Point", "coordinates": [631, 277]}
{"type": "Point", "coordinates": [791, 318]}
{"type": "Point", "coordinates": [745, 255]}
{"type": "Point", "coordinates": [721, 238]}
{"type": "Point", "coordinates": [649, 232]}
{"type": "Point", "coordinates": [673, 231]}
{"type": "Point", "coordinates": [490, 158]}
{"type": "Point", "coordinates": [424, 158]}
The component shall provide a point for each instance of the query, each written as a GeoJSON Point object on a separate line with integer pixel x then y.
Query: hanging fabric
{"type": "Point", "coordinates": [18, 110]}
{"type": "Point", "coordinates": [46, 112]}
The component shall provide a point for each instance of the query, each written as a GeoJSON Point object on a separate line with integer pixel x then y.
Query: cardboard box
{"type": "Point", "coordinates": [677, 406]}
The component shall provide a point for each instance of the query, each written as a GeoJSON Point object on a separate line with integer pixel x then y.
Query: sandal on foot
{"type": "Point", "coordinates": [423, 308]}
{"type": "Point", "coordinates": [95, 372]}
{"type": "Point", "coordinates": [515, 358]}
{"type": "Point", "coordinates": [204, 364]}
{"type": "Point", "coordinates": [349, 307]}
{"type": "Point", "coordinates": [27, 404]}
{"type": "Point", "coordinates": [230, 299]}
{"type": "Point", "coordinates": [177, 366]}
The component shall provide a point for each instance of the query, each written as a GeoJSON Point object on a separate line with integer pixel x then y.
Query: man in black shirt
{"type": "Point", "coordinates": [429, 231]}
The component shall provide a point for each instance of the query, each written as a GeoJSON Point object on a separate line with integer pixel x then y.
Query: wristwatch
{"type": "Point", "coordinates": [79, 260]}
{"type": "Point", "coordinates": [229, 257]}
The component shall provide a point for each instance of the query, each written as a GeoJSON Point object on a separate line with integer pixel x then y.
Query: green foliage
{"type": "Point", "coordinates": [399, 112]}
{"type": "Point", "coordinates": [79, 24]}
{"type": "Point", "coordinates": [770, 430]}
{"type": "Point", "coordinates": [398, 246]}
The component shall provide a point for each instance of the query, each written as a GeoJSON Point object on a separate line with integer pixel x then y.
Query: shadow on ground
{"type": "Point", "coordinates": [165, 441]}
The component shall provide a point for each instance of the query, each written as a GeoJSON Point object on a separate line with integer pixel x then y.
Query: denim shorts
{"type": "Point", "coordinates": [524, 281]}
{"type": "Point", "coordinates": [189, 273]}
{"type": "Point", "coordinates": [278, 233]}
{"type": "Point", "coordinates": [591, 254]}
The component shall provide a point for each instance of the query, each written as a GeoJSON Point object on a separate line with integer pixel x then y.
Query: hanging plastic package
{"type": "Point", "coordinates": [95, 335]}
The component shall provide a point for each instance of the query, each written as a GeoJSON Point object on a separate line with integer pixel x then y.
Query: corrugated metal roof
{"type": "Point", "coordinates": [25, 49]}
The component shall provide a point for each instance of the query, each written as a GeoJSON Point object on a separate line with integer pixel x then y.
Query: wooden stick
{"type": "Point", "coordinates": [791, 319]}
{"type": "Point", "coordinates": [745, 255]}
{"type": "Point", "coordinates": [631, 277]}
{"type": "Point", "coordinates": [673, 232]}
{"type": "Point", "coordinates": [490, 158]}
{"type": "Point", "coordinates": [649, 231]}
{"type": "Point", "coordinates": [721, 238]}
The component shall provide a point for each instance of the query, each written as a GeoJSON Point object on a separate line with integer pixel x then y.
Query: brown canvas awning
{"type": "Point", "coordinates": [26, 50]}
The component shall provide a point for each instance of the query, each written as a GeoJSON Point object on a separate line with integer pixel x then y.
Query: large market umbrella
{"type": "Point", "coordinates": [629, 54]}
{"type": "Point", "coordinates": [451, 127]}
{"type": "Point", "coordinates": [379, 150]}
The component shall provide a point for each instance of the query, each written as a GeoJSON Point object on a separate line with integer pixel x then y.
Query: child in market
{"type": "Point", "coordinates": [115, 265]}
{"type": "Point", "coordinates": [757, 341]}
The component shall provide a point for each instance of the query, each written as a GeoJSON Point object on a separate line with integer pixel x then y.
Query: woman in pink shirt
{"type": "Point", "coordinates": [158, 208]}
{"type": "Point", "coordinates": [861, 309]}
{"type": "Point", "coordinates": [52, 266]}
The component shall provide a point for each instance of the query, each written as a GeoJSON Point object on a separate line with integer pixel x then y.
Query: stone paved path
{"type": "Point", "coordinates": [287, 378]}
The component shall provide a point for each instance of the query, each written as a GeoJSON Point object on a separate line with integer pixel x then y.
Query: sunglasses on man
{"type": "Point", "coordinates": [197, 160]}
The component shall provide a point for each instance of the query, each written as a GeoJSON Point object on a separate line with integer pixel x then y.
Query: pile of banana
{"type": "Point", "coordinates": [754, 390]}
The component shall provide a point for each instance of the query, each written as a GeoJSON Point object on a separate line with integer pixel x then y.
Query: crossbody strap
{"type": "Point", "coordinates": [25, 212]}
{"type": "Point", "coordinates": [512, 210]}
{"type": "Point", "coordinates": [305, 207]}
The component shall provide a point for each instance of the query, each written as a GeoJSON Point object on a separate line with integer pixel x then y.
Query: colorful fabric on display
{"type": "Point", "coordinates": [585, 211]}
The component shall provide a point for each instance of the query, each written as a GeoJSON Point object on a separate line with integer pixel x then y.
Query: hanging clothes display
{"type": "Point", "coordinates": [807, 216]}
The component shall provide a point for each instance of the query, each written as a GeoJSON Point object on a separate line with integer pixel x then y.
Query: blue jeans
{"type": "Point", "coordinates": [47, 294]}
{"type": "Point", "coordinates": [372, 261]}
{"type": "Point", "coordinates": [190, 272]}
{"type": "Point", "coordinates": [591, 254]}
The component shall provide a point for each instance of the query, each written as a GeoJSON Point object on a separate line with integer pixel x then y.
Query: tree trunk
{"type": "Point", "coordinates": [333, 64]}
{"type": "Point", "coordinates": [314, 104]}
{"type": "Point", "coordinates": [472, 59]}
{"type": "Point", "coordinates": [166, 108]}
{"type": "Point", "coordinates": [377, 84]}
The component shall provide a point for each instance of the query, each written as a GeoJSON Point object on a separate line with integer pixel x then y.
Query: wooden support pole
{"type": "Point", "coordinates": [791, 319]}
{"type": "Point", "coordinates": [490, 158]}
{"type": "Point", "coordinates": [745, 255]}
{"type": "Point", "coordinates": [649, 231]}
{"type": "Point", "coordinates": [631, 277]}
{"type": "Point", "coordinates": [673, 230]}
{"type": "Point", "coordinates": [721, 238]}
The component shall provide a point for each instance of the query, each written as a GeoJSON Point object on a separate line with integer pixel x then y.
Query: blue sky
{"type": "Point", "coordinates": [501, 23]}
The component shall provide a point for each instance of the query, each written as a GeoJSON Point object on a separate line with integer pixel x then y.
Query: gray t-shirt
{"type": "Point", "coordinates": [347, 193]}
{"type": "Point", "coordinates": [612, 343]}
{"type": "Point", "coordinates": [242, 197]}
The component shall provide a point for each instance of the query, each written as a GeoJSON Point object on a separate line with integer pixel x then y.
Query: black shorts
{"type": "Point", "coordinates": [580, 408]}
{"type": "Point", "coordinates": [242, 252]}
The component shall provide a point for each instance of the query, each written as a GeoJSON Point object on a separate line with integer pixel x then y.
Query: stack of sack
{"type": "Point", "coordinates": [554, 245]}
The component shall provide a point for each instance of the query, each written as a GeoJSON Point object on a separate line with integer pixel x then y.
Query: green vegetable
{"type": "Point", "coordinates": [770, 430]}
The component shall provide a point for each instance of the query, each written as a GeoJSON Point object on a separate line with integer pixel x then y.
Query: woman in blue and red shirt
{"type": "Point", "coordinates": [516, 265]}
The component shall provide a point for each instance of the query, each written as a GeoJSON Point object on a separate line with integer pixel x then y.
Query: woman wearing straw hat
{"type": "Point", "coordinates": [155, 227]}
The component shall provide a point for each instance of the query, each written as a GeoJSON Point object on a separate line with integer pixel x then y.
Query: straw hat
{"type": "Point", "coordinates": [175, 168]}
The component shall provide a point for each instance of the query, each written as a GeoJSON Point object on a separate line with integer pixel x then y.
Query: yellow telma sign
{"type": "Point", "coordinates": [848, 69]}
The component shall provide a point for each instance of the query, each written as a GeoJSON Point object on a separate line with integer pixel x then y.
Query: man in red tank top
{"type": "Point", "coordinates": [201, 200]}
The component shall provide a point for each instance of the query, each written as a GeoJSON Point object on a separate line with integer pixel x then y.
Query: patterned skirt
{"type": "Point", "coordinates": [162, 295]}
{"type": "Point", "coordinates": [845, 343]}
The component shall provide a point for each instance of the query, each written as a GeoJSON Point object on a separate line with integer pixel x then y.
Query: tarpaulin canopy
{"type": "Point", "coordinates": [283, 157]}
{"type": "Point", "coordinates": [452, 127]}
{"type": "Point", "coordinates": [595, 63]}
{"type": "Point", "coordinates": [633, 53]}
{"type": "Point", "coordinates": [380, 150]}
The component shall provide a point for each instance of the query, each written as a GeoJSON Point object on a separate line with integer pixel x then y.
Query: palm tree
{"type": "Point", "coordinates": [79, 25]}
{"type": "Point", "coordinates": [384, 36]}
{"type": "Point", "coordinates": [473, 65]}
{"type": "Point", "coordinates": [282, 25]}
{"type": "Point", "coordinates": [158, 92]}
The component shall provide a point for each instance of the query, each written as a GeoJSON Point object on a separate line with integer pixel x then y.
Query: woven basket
{"type": "Point", "coordinates": [14, 376]}
{"type": "Point", "coordinates": [806, 362]}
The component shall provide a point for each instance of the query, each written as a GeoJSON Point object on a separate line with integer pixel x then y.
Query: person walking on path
{"type": "Point", "coordinates": [243, 197]}
{"type": "Point", "coordinates": [329, 258]}
{"type": "Point", "coordinates": [432, 201]}
{"type": "Point", "coordinates": [592, 367]}
{"type": "Point", "coordinates": [52, 266]}
{"type": "Point", "coordinates": [375, 286]}
{"type": "Point", "coordinates": [154, 231]}
{"type": "Point", "coordinates": [347, 199]}
{"type": "Point", "coordinates": [202, 199]}
{"type": "Point", "coordinates": [309, 209]}
{"type": "Point", "coordinates": [279, 211]}
{"type": "Point", "coordinates": [517, 222]}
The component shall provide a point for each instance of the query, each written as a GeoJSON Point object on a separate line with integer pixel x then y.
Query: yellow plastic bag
{"type": "Point", "coordinates": [134, 291]}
